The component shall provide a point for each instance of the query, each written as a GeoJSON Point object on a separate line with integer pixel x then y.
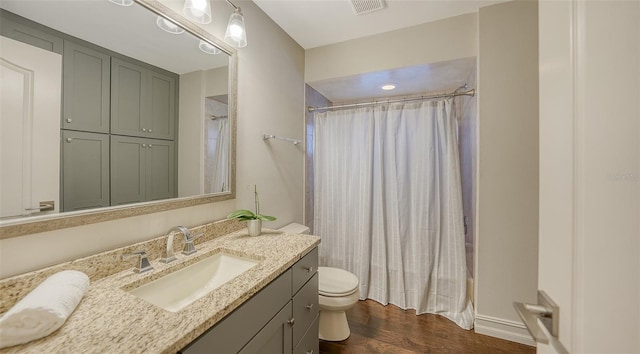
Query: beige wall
{"type": "Point", "coordinates": [507, 232]}
{"type": "Point", "coordinates": [447, 39]}
{"type": "Point", "coordinates": [270, 100]}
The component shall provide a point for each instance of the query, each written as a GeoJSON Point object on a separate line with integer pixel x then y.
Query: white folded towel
{"type": "Point", "coordinates": [43, 310]}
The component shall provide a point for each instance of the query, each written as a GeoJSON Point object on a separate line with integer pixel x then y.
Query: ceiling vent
{"type": "Point", "coordinates": [361, 7]}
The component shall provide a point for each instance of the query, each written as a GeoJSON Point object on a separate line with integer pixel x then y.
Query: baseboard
{"type": "Point", "coordinates": [503, 329]}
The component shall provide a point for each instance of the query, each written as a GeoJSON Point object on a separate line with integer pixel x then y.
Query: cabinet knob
{"type": "Point", "coordinates": [291, 322]}
{"type": "Point", "coordinates": [68, 120]}
{"type": "Point", "coordinates": [69, 140]}
{"type": "Point", "coordinates": [150, 145]}
{"type": "Point", "coordinates": [144, 129]}
{"type": "Point", "coordinates": [309, 269]}
{"type": "Point", "coordinates": [144, 145]}
{"type": "Point", "coordinates": [309, 307]}
{"type": "Point", "coordinates": [149, 130]}
{"type": "Point", "coordinates": [309, 351]}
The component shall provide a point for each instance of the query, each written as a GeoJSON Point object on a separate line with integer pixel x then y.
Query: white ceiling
{"type": "Point", "coordinates": [314, 23]}
{"type": "Point", "coordinates": [428, 78]}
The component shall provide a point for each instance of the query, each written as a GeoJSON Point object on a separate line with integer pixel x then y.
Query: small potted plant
{"type": "Point", "coordinates": [254, 220]}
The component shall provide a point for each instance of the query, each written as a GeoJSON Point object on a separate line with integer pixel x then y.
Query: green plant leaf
{"type": "Point", "coordinates": [242, 214]}
{"type": "Point", "coordinates": [266, 217]}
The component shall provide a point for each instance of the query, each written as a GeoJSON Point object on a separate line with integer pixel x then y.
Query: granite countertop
{"type": "Point", "coordinates": [109, 319]}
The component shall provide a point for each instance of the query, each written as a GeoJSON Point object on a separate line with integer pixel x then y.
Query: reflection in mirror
{"type": "Point", "coordinates": [144, 114]}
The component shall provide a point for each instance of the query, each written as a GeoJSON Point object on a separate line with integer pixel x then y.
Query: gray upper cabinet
{"type": "Point", "coordinates": [13, 28]}
{"type": "Point", "coordinates": [161, 113]}
{"type": "Point", "coordinates": [85, 170]}
{"type": "Point", "coordinates": [86, 82]}
{"type": "Point", "coordinates": [142, 101]}
{"type": "Point", "coordinates": [141, 169]}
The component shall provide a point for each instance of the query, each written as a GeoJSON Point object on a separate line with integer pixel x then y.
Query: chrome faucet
{"type": "Point", "coordinates": [188, 248]}
{"type": "Point", "coordinates": [143, 264]}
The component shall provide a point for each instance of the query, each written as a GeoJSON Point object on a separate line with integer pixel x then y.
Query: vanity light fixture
{"type": "Point", "coordinates": [236, 34]}
{"type": "Point", "coordinates": [198, 11]}
{"type": "Point", "coordinates": [169, 26]}
{"type": "Point", "coordinates": [388, 87]}
{"type": "Point", "coordinates": [122, 2]}
{"type": "Point", "coordinates": [208, 48]}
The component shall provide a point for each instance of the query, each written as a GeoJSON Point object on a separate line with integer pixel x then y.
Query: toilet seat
{"type": "Point", "coordinates": [335, 282]}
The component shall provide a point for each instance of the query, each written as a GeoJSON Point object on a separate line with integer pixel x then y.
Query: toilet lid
{"type": "Point", "coordinates": [336, 282]}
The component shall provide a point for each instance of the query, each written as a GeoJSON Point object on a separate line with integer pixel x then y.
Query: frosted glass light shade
{"type": "Point", "coordinates": [169, 26]}
{"type": "Point", "coordinates": [198, 11]}
{"type": "Point", "coordinates": [208, 48]}
{"type": "Point", "coordinates": [122, 2]}
{"type": "Point", "coordinates": [236, 34]}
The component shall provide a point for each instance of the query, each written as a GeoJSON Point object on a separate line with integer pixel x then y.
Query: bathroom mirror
{"type": "Point", "coordinates": [200, 141]}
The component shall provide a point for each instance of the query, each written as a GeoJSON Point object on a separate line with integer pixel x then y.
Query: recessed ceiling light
{"type": "Point", "coordinates": [388, 87]}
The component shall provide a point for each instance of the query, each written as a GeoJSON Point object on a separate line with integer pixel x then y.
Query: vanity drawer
{"type": "Point", "coordinates": [304, 269]}
{"type": "Point", "coordinates": [305, 308]}
{"type": "Point", "coordinates": [309, 344]}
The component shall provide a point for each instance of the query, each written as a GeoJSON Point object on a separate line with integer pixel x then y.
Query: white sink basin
{"type": "Point", "coordinates": [178, 289]}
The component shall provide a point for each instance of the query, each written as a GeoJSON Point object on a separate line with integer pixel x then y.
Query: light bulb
{"type": "Point", "coordinates": [198, 7]}
{"type": "Point", "coordinates": [236, 34]}
{"type": "Point", "coordinates": [198, 11]}
{"type": "Point", "coordinates": [235, 31]}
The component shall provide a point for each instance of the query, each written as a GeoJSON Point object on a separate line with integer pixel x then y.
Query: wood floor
{"type": "Point", "coordinates": [388, 329]}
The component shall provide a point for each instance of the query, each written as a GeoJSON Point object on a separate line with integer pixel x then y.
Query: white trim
{"type": "Point", "coordinates": [504, 329]}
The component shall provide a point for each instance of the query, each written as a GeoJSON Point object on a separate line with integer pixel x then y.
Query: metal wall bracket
{"type": "Point", "coordinates": [546, 310]}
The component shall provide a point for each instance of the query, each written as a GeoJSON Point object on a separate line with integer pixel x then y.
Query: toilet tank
{"type": "Point", "coordinates": [294, 228]}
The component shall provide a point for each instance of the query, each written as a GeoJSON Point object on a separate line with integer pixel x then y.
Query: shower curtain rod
{"type": "Point", "coordinates": [471, 92]}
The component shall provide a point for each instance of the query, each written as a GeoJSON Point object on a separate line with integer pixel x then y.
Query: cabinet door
{"type": "Point", "coordinates": [25, 34]}
{"type": "Point", "coordinates": [85, 170]}
{"type": "Point", "coordinates": [160, 169]}
{"type": "Point", "coordinates": [160, 120]}
{"type": "Point", "coordinates": [128, 98]}
{"type": "Point", "coordinates": [275, 337]}
{"type": "Point", "coordinates": [85, 93]}
{"type": "Point", "coordinates": [127, 169]}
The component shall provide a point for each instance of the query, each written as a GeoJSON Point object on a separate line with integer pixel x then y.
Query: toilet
{"type": "Point", "coordinates": [338, 292]}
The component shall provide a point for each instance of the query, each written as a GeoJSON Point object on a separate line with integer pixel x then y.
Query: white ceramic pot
{"type": "Point", "coordinates": [255, 227]}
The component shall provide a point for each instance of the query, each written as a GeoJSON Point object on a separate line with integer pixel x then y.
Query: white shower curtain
{"type": "Point", "coordinates": [388, 204]}
{"type": "Point", "coordinates": [220, 180]}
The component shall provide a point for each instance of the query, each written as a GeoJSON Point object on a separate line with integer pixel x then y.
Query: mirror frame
{"type": "Point", "coordinates": [37, 224]}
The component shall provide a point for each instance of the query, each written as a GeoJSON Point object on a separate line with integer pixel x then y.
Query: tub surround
{"type": "Point", "coordinates": [109, 319]}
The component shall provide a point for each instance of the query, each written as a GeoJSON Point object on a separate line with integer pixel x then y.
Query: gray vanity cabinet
{"type": "Point", "coordinates": [281, 318]}
{"type": "Point", "coordinates": [85, 86]}
{"type": "Point", "coordinates": [141, 169]}
{"type": "Point", "coordinates": [274, 337]}
{"type": "Point", "coordinates": [142, 101]}
{"type": "Point", "coordinates": [85, 170]}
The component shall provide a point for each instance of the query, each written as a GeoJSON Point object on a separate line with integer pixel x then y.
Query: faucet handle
{"type": "Point", "coordinates": [188, 248]}
{"type": "Point", "coordinates": [143, 264]}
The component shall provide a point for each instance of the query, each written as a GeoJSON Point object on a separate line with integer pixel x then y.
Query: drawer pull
{"type": "Point", "coordinates": [309, 307]}
{"type": "Point", "coordinates": [309, 351]}
{"type": "Point", "coordinates": [291, 322]}
{"type": "Point", "coordinates": [309, 269]}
